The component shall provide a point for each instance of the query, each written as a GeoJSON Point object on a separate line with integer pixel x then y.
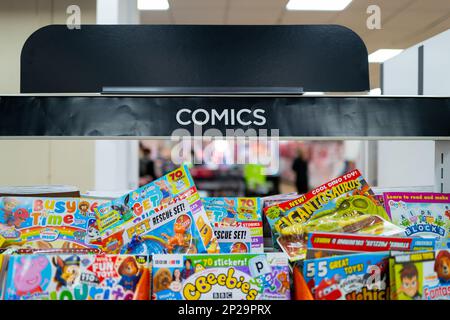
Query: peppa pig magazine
{"type": "Point", "coordinates": [164, 216]}
{"type": "Point", "coordinates": [49, 223]}
{"type": "Point", "coordinates": [77, 277]}
{"type": "Point", "coordinates": [421, 214]}
{"type": "Point", "coordinates": [221, 277]}
{"type": "Point", "coordinates": [237, 223]}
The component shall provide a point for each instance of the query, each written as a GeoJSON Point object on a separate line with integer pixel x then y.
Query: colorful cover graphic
{"type": "Point", "coordinates": [421, 214]}
{"type": "Point", "coordinates": [237, 223]}
{"type": "Point", "coordinates": [349, 277]}
{"type": "Point", "coordinates": [164, 216]}
{"type": "Point", "coordinates": [270, 201]}
{"type": "Point", "coordinates": [48, 223]}
{"type": "Point", "coordinates": [345, 204]}
{"type": "Point", "coordinates": [421, 276]}
{"type": "Point", "coordinates": [77, 277]}
{"type": "Point", "coordinates": [221, 277]}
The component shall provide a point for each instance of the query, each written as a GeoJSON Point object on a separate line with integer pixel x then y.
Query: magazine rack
{"type": "Point", "coordinates": [57, 60]}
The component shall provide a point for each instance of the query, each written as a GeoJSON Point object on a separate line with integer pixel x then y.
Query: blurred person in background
{"type": "Point", "coordinates": [300, 167]}
{"type": "Point", "coordinates": [146, 166]}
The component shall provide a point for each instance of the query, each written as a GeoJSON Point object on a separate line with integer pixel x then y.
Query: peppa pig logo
{"type": "Point", "coordinates": [30, 278]}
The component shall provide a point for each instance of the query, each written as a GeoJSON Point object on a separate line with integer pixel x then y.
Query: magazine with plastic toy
{"type": "Point", "coordinates": [77, 277]}
{"type": "Point", "coordinates": [221, 277]}
{"type": "Point", "coordinates": [421, 214]}
{"type": "Point", "coordinates": [270, 201]}
{"type": "Point", "coordinates": [49, 223]}
{"type": "Point", "coordinates": [361, 276]}
{"type": "Point", "coordinates": [164, 216]}
{"type": "Point", "coordinates": [237, 223]}
{"type": "Point", "coordinates": [345, 204]}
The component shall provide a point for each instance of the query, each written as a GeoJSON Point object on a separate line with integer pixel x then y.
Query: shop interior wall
{"type": "Point", "coordinates": [414, 163]}
{"type": "Point", "coordinates": [39, 161]}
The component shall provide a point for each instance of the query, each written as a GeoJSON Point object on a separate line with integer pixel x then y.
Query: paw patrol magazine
{"type": "Point", "coordinates": [221, 277]}
{"type": "Point", "coordinates": [349, 277]}
{"type": "Point", "coordinates": [421, 276]}
{"type": "Point", "coordinates": [77, 277]}
{"type": "Point", "coordinates": [345, 204]}
{"type": "Point", "coordinates": [421, 214]}
{"type": "Point", "coordinates": [164, 216]}
{"type": "Point", "coordinates": [49, 223]}
{"type": "Point", "coordinates": [237, 223]}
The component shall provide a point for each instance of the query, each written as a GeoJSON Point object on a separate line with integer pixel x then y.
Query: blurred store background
{"type": "Point", "coordinates": [122, 164]}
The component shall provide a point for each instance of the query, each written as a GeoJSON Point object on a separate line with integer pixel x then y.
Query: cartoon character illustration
{"type": "Point", "coordinates": [230, 211]}
{"type": "Point", "coordinates": [413, 218]}
{"type": "Point", "coordinates": [130, 272]}
{"type": "Point", "coordinates": [351, 214]}
{"type": "Point", "coordinates": [67, 271]}
{"type": "Point", "coordinates": [178, 239]}
{"type": "Point", "coordinates": [213, 247]}
{"type": "Point", "coordinates": [8, 206]}
{"type": "Point", "coordinates": [83, 207]}
{"type": "Point", "coordinates": [429, 218]}
{"type": "Point", "coordinates": [28, 275]}
{"type": "Point", "coordinates": [164, 190]}
{"type": "Point", "coordinates": [19, 216]}
{"type": "Point", "coordinates": [439, 221]}
{"type": "Point", "coordinates": [328, 289]}
{"type": "Point", "coordinates": [442, 266]}
{"type": "Point", "coordinates": [284, 282]}
{"type": "Point", "coordinates": [124, 209]}
{"type": "Point", "coordinates": [405, 222]}
{"type": "Point", "coordinates": [409, 277]}
{"type": "Point", "coordinates": [93, 234]}
{"type": "Point", "coordinates": [447, 212]}
{"type": "Point", "coordinates": [422, 217]}
{"type": "Point", "coordinates": [162, 280]}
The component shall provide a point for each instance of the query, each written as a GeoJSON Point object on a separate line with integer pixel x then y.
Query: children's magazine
{"type": "Point", "coordinates": [421, 214]}
{"type": "Point", "coordinates": [77, 277]}
{"type": "Point", "coordinates": [221, 277]}
{"type": "Point", "coordinates": [237, 223]}
{"type": "Point", "coordinates": [421, 275]}
{"type": "Point", "coordinates": [345, 204]}
{"type": "Point", "coordinates": [164, 216]}
{"type": "Point", "coordinates": [361, 276]}
{"type": "Point", "coordinates": [49, 223]}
